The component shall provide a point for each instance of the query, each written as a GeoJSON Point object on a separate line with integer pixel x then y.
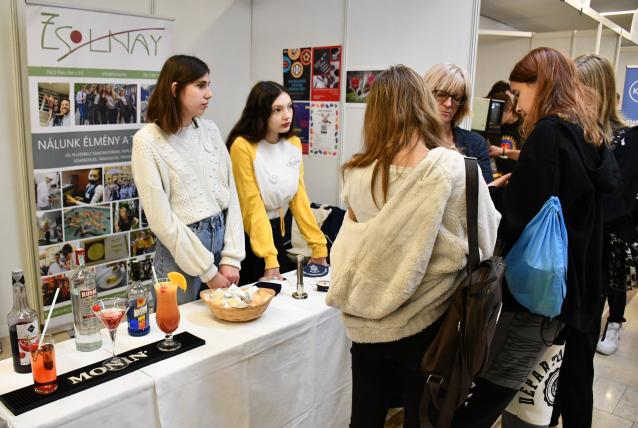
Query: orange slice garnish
{"type": "Point", "coordinates": [178, 279]}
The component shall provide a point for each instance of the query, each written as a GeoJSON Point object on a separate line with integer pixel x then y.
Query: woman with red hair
{"type": "Point", "coordinates": [565, 155]}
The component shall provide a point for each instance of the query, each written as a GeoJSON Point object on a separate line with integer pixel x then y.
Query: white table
{"type": "Point", "coordinates": [291, 367]}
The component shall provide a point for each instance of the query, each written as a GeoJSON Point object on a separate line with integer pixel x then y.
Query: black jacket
{"type": "Point", "coordinates": [474, 145]}
{"type": "Point", "coordinates": [619, 207]}
{"type": "Point", "coordinates": [556, 160]}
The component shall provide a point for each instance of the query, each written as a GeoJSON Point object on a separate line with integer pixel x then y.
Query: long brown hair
{"type": "Point", "coordinates": [559, 92]}
{"type": "Point", "coordinates": [164, 109]}
{"type": "Point", "coordinates": [253, 123]}
{"type": "Point", "coordinates": [399, 109]}
{"type": "Point", "coordinates": [597, 73]}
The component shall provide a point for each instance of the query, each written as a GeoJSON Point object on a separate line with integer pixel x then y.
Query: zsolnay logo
{"type": "Point", "coordinates": [56, 35]}
{"type": "Point", "coordinates": [633, 91]}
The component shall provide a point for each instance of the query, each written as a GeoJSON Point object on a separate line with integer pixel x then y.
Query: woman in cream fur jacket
{"type": "Point", "coordinates": [403, 244]}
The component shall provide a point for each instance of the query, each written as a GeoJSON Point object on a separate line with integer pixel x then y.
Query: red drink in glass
{"type": "Point", "coordinates": [167, 313]}
{"type": "Point", "coordinates": [43, 364]}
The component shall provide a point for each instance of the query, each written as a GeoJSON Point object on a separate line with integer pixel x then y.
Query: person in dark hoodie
{"type": "Point", "coordinates": [565, 155]}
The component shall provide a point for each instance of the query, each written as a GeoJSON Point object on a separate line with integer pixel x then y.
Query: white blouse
{"type": "Point", "coordinates": [277, 169]}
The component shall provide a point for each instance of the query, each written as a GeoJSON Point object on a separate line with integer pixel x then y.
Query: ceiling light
{"type": "Point", "coordinates": [618, 12]}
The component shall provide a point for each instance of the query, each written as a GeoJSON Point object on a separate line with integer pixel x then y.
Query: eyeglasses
{"type": "Point", "coordinates": [442, 96]}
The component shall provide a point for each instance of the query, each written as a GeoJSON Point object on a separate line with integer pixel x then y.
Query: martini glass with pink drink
{"type": "Point", "coordinates": [111, 312]}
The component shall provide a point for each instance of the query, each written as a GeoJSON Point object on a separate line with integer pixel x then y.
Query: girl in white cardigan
{"type": "Point", "coordinates": [398, 255]}
{"type": "Point", "coordinates": [185, 181]}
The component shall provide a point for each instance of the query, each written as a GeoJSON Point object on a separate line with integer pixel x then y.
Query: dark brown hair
{"type": "Point", "coordinates": [559, 92]}
{"type": "Point", "coordinates": [253, 123]}
{"type": "Point", "coordinates": [164, 109]}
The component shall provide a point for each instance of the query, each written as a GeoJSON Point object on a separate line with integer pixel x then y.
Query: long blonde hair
{"type": "Point", "coordinates": [399, 109]}
{"type": "Point", "coordinates": [597, 73]}
{"type": "Point", "coordinates": [455, 81]}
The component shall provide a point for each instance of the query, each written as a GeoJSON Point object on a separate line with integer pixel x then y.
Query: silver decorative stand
{"type": "Point", "coordinates": [300, 294]}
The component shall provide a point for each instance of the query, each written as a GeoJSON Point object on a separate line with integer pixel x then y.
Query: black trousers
{"type": "Point", "coordinates": [252, 268]}
{"type": "Point", "coordinates": [617, 300]}
{"type": "Point", "coordinates": [381, 369]}
{"type": "Point", "coordinates": [486, 403]}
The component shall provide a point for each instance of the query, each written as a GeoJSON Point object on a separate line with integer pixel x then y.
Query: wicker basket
{"type": "Point", "coordinates": [240, 314]}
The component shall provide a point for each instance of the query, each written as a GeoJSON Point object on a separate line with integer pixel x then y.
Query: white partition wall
{"type": "Point", "coordinates": [280, 24]}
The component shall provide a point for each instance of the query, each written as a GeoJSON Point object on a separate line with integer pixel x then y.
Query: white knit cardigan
{"type": "Point", "coordinates": [393, 275]}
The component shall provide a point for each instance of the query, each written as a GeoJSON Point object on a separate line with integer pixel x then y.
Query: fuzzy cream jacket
{"type": "Point", "coordinates": [394, 275]}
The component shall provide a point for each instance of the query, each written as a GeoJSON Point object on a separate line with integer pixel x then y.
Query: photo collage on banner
{"type": "Point", "coordinates": [358, 84]}
{"type": "Point", "coordinates": [90, 76]}
{"type": "Point", "coordinates": [311, 75]}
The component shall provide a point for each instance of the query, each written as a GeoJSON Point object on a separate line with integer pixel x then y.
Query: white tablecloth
{"type": "Point", "coordinates": [291, 367]}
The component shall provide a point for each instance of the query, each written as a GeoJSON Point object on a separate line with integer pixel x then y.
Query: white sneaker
{"type": "Point", "coordinates": [608, 343]}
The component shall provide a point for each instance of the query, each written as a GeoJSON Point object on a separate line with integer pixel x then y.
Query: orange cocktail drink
{"type": "Point", "coordinates": [167, 313]}
{"type": "Point", "coordinates": [43, 364]}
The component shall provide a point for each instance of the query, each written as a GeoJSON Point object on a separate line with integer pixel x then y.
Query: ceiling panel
{"type": "Point", "coordinates": [538, 15]}
{"type": "Point", "coordinates": [613, 5]}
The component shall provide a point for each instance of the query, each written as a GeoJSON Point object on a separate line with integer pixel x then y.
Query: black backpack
{"type": "Point", "coordinates": [461, 347]}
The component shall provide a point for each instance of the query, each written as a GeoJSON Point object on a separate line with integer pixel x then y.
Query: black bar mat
{"type": "Point", "coordinates": [25, 399]}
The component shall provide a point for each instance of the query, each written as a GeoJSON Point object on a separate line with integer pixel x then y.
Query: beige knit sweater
{"type": "Point", "coordinates": [393, 275]}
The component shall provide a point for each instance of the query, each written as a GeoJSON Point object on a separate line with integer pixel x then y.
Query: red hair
{"type": "Point", "coordinates": [559, 92]}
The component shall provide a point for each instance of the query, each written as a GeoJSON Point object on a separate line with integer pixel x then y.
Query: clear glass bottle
{"type": "Point", "coordinates": [138, 313]}
{"type": "Point", "coordinates": [83, 297]}
{"type": "Point", "coordinates": [23, 322]}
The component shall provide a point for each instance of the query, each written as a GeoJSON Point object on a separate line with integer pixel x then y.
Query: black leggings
{"type": "Point", "coordinates": [379, 370]}
{"type": "Point", "coordinates": [617, 300]}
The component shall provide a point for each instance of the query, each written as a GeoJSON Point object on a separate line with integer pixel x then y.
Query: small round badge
{"type": "Point", "coordinates": [314, 270]}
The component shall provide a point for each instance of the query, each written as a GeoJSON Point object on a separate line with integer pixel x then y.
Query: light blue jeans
{"type": "Point", "coordinates": [210, 232]}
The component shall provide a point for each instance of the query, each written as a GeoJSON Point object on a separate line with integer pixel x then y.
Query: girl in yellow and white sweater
{"type": "Point", "coordinates": [268, 171]}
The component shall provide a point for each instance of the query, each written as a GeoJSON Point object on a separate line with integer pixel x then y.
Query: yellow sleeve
{"type": "Point", "coordinates": [300, 208]}
{"type": "Point", "coordinates": [254, 216]}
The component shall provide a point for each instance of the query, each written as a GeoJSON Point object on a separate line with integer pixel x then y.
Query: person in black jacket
{"type": "Point", "coordinates": [565, 156]}
{"type": "Point", "coordinates": [451, 88]}
{"type": "Point", "coordinates": [597, 73]}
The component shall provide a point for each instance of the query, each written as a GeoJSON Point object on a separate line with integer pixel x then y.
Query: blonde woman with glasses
{"type": "Point", "coordinates": [402, 244]}
{"type": "Point", "coordinates": [452, 91]}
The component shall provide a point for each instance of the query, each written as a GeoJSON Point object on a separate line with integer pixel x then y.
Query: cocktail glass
{"type": "Point", "coordinates": [110, 312]}
{"type": "Point", "coordinates": [45, 378]}
{"type": "Point", "coordinates": [167, 313]}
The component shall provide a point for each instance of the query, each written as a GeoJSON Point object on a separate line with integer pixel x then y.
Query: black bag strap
{"type": "Point", "coordinates": [471, 202]}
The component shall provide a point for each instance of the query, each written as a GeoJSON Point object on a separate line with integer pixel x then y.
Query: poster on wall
{"type": "Point", "coordinates": [358, 84]}
{"type": "Point", "coordinates": [90, 75]}
{"type": "Point", "coordinates": [301, 125]}
{"type": "Point", "coordinates": [297, 72]}
{"type": "Point", "coordinates": [630, 95]}
{"type": "Point", "coordinates": [324, 129]}
{"type": "Point", "coordinates": [326, 72]}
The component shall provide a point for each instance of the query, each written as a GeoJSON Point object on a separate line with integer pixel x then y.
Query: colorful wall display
{"type": "Point", "coordinates": [302, 124]}
{"type": "Point", "coordinates": [90, 76]}
{"type": "Point", "coordinates": [358, 84]}
{"type": "Point", "coordinates": [324, 129]}
{"type": "Point", "coordinates": [297, 63]}
{"type": "Point", "coordinates": [326, 73]}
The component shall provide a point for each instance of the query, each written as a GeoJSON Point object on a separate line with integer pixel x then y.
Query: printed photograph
{"type": "Point", "coordinates": [145, 93]}
{"type": "Point", "coordinates": [82, 187]}
{"type": "Point", "coordinates": [87, 222]}
{"type": "Point", "coordinates": [143, 220]}
{"type": "Point", "coordinates": [105, 103]}
{"type": "Point", "coordinates": [54, 104]}
{"type": "Point", "coordinates": [49, 227]}
{"type": "Point", "coordinates": [142, 242]}
{"type": "Point", "coordinates": [49, 284]}
{"type": "Point", "coordinates": [111, 276]}
{"type": "Point", "coordinates": [118, 183]}
{"type": "Point", "coordinates": [56, 259]}
{"type": "Point", "coordinates": [359, 84]}
{"type": "Point", "coordinates": [126, 216]}
{"type": "Point", "coordinates": [146, 263]}
{"type": "Point", "coordinates": [47, 190]}
{"type": "Point", "coordinates": [106, 249]}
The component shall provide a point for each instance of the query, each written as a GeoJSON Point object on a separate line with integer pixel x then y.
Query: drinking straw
{"type": "Point", "coordinates": [154, 274]}
{"type": "Point", "coordinates": [46, 324]}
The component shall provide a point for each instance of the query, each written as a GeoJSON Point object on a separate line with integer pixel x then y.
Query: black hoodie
{"type": "Point", "coordinates": [556, 160]}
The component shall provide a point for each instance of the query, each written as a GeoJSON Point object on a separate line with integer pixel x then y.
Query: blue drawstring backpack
{"type": "Point", "coordinates": [537, 264]}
